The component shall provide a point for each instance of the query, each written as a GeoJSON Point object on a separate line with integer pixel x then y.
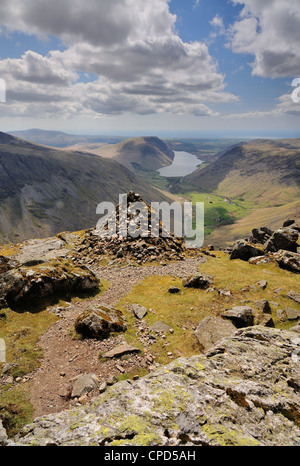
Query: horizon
{"type": "Point", "coordinates": [176, 68]}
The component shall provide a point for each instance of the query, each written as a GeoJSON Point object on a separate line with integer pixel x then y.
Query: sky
{"type": "Point", "coordinates": [189, 68]}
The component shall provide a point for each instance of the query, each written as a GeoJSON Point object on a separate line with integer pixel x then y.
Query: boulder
{"type": "Point", "coordinates": [243, 392]}
{"type": "Point", "coordinates": [84, 384]}
{"type": "Point", "coordinates": [211, 330]}
{"type": "Point", "coordinates": [25, 287]}
{"type": "Point", "coordinates": [288, 261]}
{"type": "Point", "coordinates": [99, 321]}
{"type": "Point", "coordinates": [285, 238]}
{"type": "Point", "coordinates": [292, 314]}
{"type": "Point", "coordinates": [241, 316]}
{"type": "Point", "coordinates": [199, 281]}
{"type": "Point", "coordinates": [244, 251]}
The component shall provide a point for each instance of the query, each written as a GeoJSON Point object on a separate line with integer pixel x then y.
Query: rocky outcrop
{"type": "Point", "coordinates": [265, 245]}
{"type": "Point", "coordinates": [23, 287]}
{"type": "Point", "coordinates": [243, 392]}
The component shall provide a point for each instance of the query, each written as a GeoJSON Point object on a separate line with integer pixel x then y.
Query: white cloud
{"type": "Point", "coordinates": [142, 65]}
{"type": "Point", "coordinates": [269, 30]}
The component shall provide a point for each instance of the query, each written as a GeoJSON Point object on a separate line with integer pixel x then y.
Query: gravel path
{"type": "Point", "coordinates": [66, 358]}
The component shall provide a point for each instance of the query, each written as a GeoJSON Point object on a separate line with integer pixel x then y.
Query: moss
{"type": "Point", "coordinates": [138, 432]}
{"type": "Point", "coordinates": [224, 437]}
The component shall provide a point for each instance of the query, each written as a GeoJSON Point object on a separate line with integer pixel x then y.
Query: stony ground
{"type": "Point", "coordinates": [65, 357]}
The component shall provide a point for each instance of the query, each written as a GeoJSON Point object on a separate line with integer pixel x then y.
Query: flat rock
{"type": "Point", "coordinates": [211, 330]}
{"type": "Point", "coordinates": [121, 350]}
{"type": "Point", "coordinates": [292, 314]}
{"type": "Point", "coordinates": [160, 327]}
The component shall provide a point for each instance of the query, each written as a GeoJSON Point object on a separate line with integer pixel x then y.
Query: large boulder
{"type": "Point", "coordinates": [244, 251]}
{"type": "Point", "coordinates": [243, 392]}
{"type": "Point", "coordinates": [27, 287]}
{"type": "Point", "coordinates": [99, 322]}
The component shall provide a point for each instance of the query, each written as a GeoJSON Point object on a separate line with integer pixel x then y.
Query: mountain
{"type": "Point", "coordinates": [61, 139]}
{"type": "Point", "coordinates": [252, 182]}
{"type": "Point", "coordinates": [45, 190]}
{"type": "Point", "coordinates": [250, 168]}
{"type": "Point", "coordinates": [140, 153]}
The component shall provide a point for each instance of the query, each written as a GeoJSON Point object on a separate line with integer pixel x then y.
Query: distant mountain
{"type": "Point", "coordinates": [44, 191]}
{"type": "Point", "coordinates": [261, 169]}
{"type": "Point", "coordinates": [61, 139]}
{"type": "Point", "coordinates": [137, 154]}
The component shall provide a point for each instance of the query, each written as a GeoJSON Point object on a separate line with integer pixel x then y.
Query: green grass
{"type": "Point", "coordinates": [217, 211]}
{"type": "Point", "coordinates": [183, 312]}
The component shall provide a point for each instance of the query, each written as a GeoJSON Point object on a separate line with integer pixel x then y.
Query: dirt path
{"type": "Point", "coordinates": [66, 358]}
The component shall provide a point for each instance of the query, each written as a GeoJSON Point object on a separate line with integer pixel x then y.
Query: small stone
{"type": "Point", "coordinates": [103, 387]}
{"type": "Point", "coordinates": [174, 290]}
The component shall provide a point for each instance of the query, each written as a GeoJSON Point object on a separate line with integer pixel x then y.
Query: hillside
{"type": "Point", "coordinates": [253, 182]}
{"type": "Point", "coordinates": [61, 139]}
{"type": "Point", "coordinates": [44, 190]}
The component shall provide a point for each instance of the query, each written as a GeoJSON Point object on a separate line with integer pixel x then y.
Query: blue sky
{"type": "Point", "coordinates": [186, 67]}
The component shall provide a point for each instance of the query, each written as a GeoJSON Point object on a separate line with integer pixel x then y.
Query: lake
{"type": "Point", "coordinates": [183, 164]}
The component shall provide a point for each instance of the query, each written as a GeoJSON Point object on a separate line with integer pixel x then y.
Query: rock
{"type": "Point", "coordinates": [243, 392]}
{"type": "Point", "coordinates": [174, 290]}
{"type": "Point", "coordinates": [120, 350]}
{"type": "Point", "coordinates": [241, 316]}
{"type": "Point", "coordinates": [281, 315]}
{"type": "Point", "coordinates": [244, 251]}
{"type": "Point", "coordinates": [261, 235]}
{"type": "Point", "coordinates": [294, 296]}
{"type": "Point", "coordinates": [292, 314]}
{"type": "Point", "coordinates": [25, 287]}
{"type": "Point", "coordinates": [103, 387]}
{"type": "Point", "coordinates": [262, 284]}
{"type": "Point", "coordinates": [160, 327]}
{"type": "Point", "coordinates": [139, 311]}
{"type": "Point", "coordinates": [285, 238]}
{"type": "Point", "coordinates": [264, 319]}
{"type": "Point", "coordinates": [288, 261]}
{"type": "Point", "coordinates": [99, 321]}
{"type": "Point", "coordinates": [288, 222]}
{"type": "Point", "coordinates": [198, 281]}
{"type": "Point", "coordinates": [84, 384]}
{"type": "Point", "coordinates": [111, 380]}
{"type": "Point", "coordinates": [263, 306]}
{"type": "Point", "coordinates": [211, 330]}
{"type": "Point", "coordinates": [3, 435]}
{"type": "Point", "coordinates": [296, 328]}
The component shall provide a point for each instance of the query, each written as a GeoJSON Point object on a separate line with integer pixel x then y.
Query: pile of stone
{"type": "Point", "coordinates": [119, 244]}
{"type": "Point", "coordinates": [265, 245]}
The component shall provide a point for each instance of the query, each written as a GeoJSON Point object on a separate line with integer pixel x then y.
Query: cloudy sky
{"type": "Point", "coordinates": [186, 67]}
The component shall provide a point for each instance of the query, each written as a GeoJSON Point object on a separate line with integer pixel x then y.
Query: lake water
{"type": "Point", "coordinates": [183, 164]}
